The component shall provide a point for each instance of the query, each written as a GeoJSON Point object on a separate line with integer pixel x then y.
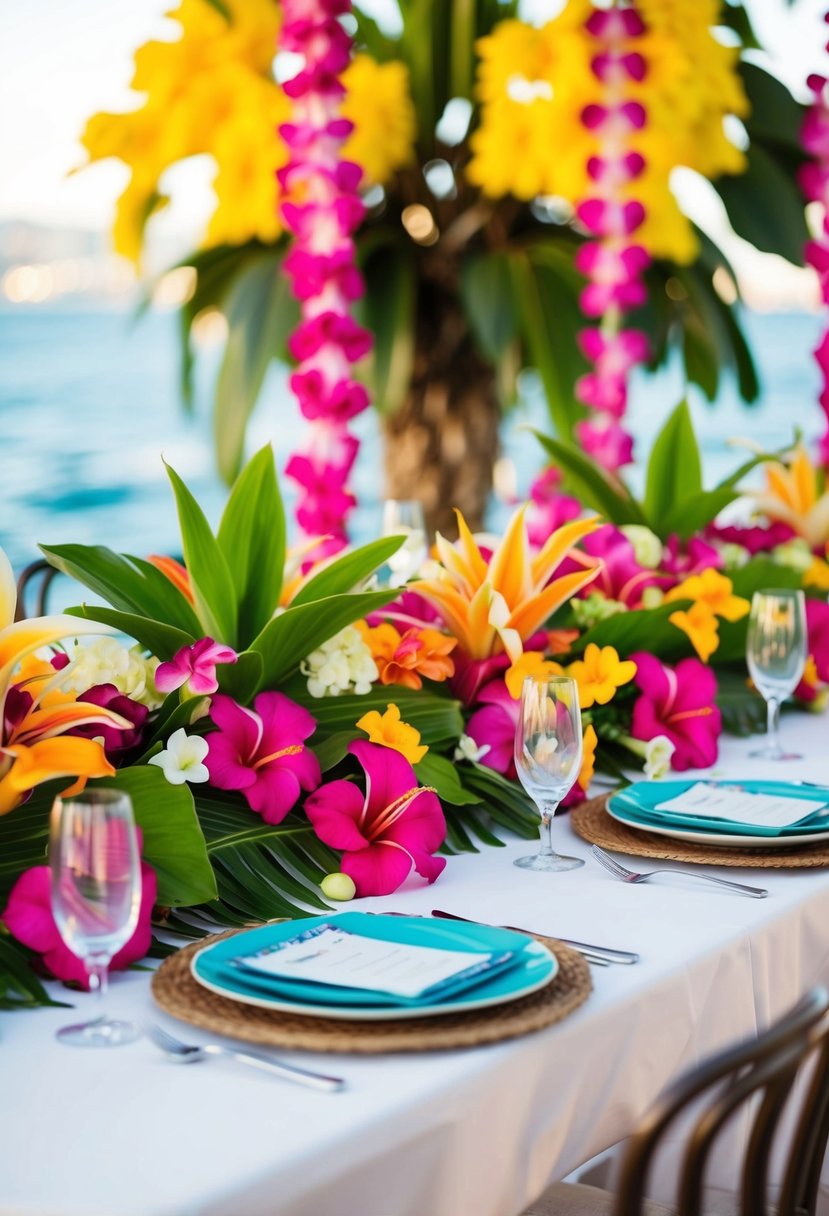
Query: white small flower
{"type": "Point", "coordinates": [658, 752]}
{"type": "Point", "coordinates": [182, 758]}
{"type": "Point", "coordinates": [647, 547]}
{"type": "Point", "coordinates": [107, 661]}
{"type": "Point", "coordinates": [342, 664]}
{"type": "Point", "coordinates": [468, 749]}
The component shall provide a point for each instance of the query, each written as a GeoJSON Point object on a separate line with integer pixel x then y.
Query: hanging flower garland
{"type": "Point", "coordinates": [814, 182]}
{"type": "Point", "coordinates": [321, 206]}
{"type": "Point", "coordinates": [612, 262]}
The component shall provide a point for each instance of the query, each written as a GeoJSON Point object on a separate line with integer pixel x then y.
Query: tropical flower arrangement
{"type": "Point", "coordinates": [290, 731]}
{"type": "Point", "coordinates": [449, 181]}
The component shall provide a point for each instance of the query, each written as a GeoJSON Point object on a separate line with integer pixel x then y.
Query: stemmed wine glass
{"type": "Point", "coordinates": [405, 517]}
{"type": "Point", "coordinates": [96, 895]}
{"type": "Point", "coordinates": [548, 755]}
{"type": "Point", "coordinates": [776, 652]}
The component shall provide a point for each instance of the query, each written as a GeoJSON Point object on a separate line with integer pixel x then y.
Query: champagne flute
{"type": "Point", "coordinates": [776, 652]}
{"type": "Point", "coordinates": [405, 517]}
{"type": "Point", "coordinates": [548, 755]}
{"type": "Point", "coordinates": [96, 895]}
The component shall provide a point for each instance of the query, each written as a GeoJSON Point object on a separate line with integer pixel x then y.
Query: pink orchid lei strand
{"type": "Point", "coordinates": [321, 206]}
{"type": "Point", "coordinates": [814, 182]}
{"type": "Point", "coordinates": [612, 261]}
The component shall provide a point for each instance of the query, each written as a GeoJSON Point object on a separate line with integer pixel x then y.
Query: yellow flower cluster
{"type": "Point", "coordinates": [534, 83]}
{"type": "Point", "coordinates": [713, 596]}
{"type": "Point", "coordinates": [211, 90]}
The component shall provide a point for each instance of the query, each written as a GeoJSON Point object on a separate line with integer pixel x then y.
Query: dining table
{"type": "Point", "coordinates": [125, 1132]}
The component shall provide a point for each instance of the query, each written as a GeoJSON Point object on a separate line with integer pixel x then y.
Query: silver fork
{"type": "Point", "coordinates": [626, 875]}
{"type": "Point", "coordinates": [189, 1053]}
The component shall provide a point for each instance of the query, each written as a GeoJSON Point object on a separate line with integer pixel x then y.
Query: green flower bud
{"type": "Point", "coordinates": [338, 886]}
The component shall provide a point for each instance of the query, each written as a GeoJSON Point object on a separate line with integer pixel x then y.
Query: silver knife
{"type": "Point", "coordinates": [601, 954]}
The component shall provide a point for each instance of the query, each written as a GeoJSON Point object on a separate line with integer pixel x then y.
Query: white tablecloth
{"type": "Point", "coordinates": [126, 1133]}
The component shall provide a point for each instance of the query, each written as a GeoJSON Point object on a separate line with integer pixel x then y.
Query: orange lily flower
{"type": "Point", "coordinates": [30, 750]}
{"type": "Point", "coordinates": [495, 606]}
{"type": "Point", "coordinates": [405, 658]}
{"type": "Point", "coordinates": [792, 495]}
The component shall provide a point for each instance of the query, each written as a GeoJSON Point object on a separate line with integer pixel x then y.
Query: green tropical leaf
{"type": "Point", "coordinates": [775, 116]}
{"type": "Point", "coordinates": [19, 986]}
{"type": "Point", "coordinates": [241, 679]}
{"type": "Point", "coordinates": [463, 18]}
{"type": "Point", "coordinates": [674, 473]}
{"type": "Point", "coordinates": [260, 312]}
{"type": "Point", "coordinates": [765, 205]}
{"type": "Point", "coordinates": [173, 843]}
{"type": "Point", "coordinates": [388, 310]}
{"type": "Point", "coordinates": [252, 538]}
{"type": "Point", "coordinates": [347, 572]}
{"type": "Point", "coordinates": [487, 295]}
{"type": "Point", "coordinates": [438, 718]}
{"type": "Point", "coordinates": [641, 629]}
{"type": "Point", "coordinates": [334, 748]}
{"type": "Point", "coordinates": [210, 578]}
{"type": "Point", "coordinates": [690, 516]}
{"type": "Point", "coordinates": [161, 640]}
{"type": "Point", "coordinates": [546, 287]}
{"type": "Point", "coordinates": [289, 638]}
{"type": "Point", "coordinates": [590, 485]}
{"type": "Point", "coordinates": [129, 584]}
{"type": "Point", "coordinates": [436, 771]}
{"type": "Point", "coordinates": [504, 802]}
{"type": "Point", "coordinates": [743, 709]}
{"type": "Point", "coordinates": [262, 870]}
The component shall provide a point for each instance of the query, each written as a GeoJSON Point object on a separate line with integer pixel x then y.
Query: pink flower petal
{"type": "Point", "coordinates": [378, 870]}
{"type": "Point", "coordinates": [335, 810]}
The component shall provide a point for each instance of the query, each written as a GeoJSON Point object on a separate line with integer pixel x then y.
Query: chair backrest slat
{"type": "Point", "coordinates": [766, 1066]}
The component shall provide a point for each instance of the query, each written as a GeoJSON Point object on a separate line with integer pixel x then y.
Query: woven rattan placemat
{"type": "Point", "coordinates": [592, 822]}
{"type": "Point", "coordinates": [179, 994]}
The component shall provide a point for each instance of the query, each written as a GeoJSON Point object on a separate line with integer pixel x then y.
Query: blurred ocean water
{"type": "Point", "coordinates": [88, 407]}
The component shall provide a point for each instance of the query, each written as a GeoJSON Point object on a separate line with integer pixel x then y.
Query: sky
{"type": "Point", "coordinates": [62, 60]}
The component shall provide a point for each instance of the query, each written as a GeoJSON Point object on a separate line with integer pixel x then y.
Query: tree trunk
{"type": "Point", "coordinates": [441, 445]}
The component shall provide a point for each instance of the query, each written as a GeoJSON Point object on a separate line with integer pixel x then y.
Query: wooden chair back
{"type": "Point", "coordinates": [759, 1076]}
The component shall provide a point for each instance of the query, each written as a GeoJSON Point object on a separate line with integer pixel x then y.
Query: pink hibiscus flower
{"type": "Point", "coordinates": [680, 703]}
{"type": "Point", "coordinates": [493, 726]}
{"type": "Point", "coordinates": [28, 917]}
{"type": "Point", "coordinates": [262, 752]}
{"type": "Point", "coordinates": [194, 666]}
{"type": "Point", "coordinates": [394, 827]}
{"type": "Point", "coordinates": [817, 621]}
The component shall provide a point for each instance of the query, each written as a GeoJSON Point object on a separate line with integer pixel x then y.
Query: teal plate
{"type": "Point", "coordinates": [213, 968]}
{"type": "Point", "coordinates": [636, 806]}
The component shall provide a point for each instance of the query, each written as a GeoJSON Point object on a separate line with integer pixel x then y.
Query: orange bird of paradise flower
{"type": "Point", "coordinates": [494, 606]}
{"type": "Point", "coordinates": [793, 495]}
{"type": "Point", "coordinates": [33, 745]}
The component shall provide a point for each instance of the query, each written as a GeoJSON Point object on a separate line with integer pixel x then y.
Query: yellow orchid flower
{"type": "Point", "coordinates": [599, 674]}
{"type": "Point", "coordinates": [531, 663]}
{"type": "Point", "coordinates": [30, 751]}
{"type": "Point", "coordinates": [494, 606]}
{"type": "Point", "coordinates": [792, 495]}
{"type": "Point", "coordinates": [715, 591]}
{"type": "Point", "coordinates": [701, 626]}
{"type": "Point", "coordinates": [713, 596]}
{"type": "Point", "coordinates": [388, 730]}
